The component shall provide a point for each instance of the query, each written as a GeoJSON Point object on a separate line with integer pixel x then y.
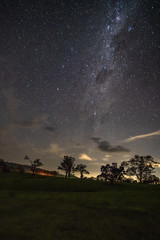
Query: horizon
{"type": "Point", "coordinates": [74, 173]}
{"type": "Point", "coordinates": [80, 79]}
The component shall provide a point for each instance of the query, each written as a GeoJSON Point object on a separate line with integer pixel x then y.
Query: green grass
{"type": "Point", "coordinates": [55, 208]}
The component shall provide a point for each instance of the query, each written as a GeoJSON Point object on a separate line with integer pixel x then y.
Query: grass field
{"type": "Point", "coordinates": [55, 208]}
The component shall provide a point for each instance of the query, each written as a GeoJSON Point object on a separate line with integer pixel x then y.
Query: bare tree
{"type": "Point", "coordinates": [34, 164]}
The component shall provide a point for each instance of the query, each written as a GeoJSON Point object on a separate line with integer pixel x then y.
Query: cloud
{"type": "Point", "coordinates": [126, 155]}
{"type": "Point", "coordinates": [78, 146]}
{"type": "Point", "coordinates": [84, 156]}
{"type": "Point", "coordinates": [33, 124]}
{"type": "Point", "coordinates": [106, 147]}
{"type": "Point", "coordinates": [53, 148]}
{"type": "Point", "coordinates": [157, 133]}
{"type": "Point", "coordinates": [156, 165]}
{"type": "Point", "coordinates": [96, 139]}
{"type": "Point", "coordinates": [50, 129]}
{"type": "Point", "coordinates": [106, 158]}
{"type": "Point", "coordinates": [30, 124]}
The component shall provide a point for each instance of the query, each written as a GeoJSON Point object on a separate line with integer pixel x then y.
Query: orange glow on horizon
{"type": "Point", "coordinates": [45, 174]}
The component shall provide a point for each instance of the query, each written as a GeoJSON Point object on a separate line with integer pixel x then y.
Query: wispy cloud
{"type": "Point", "coordinates": [54, 148]}
{"type": "Point", "coordinates": [35, 123]}
{"type": "Point", "coordinates": [84, 156]}
{"type": "Point", "coordinates": [157, 133]}
{"type": "Point", "coordinates": [78, 146]}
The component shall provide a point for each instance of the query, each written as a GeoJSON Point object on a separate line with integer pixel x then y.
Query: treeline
{"type": "Point", "coordinates": [138, 169]}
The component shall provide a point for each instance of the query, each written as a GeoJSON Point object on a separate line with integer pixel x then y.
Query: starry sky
{"type": "Point", "coordinates": [79, 78]}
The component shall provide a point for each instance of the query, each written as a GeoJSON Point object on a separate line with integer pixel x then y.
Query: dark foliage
{"type": "Point", "coordinates": [3, 166]}
{"type": "Point", "coordinates": [112, 173]}
{"type": "Point", "coordinates": [67, 165]}
{"type": "Point", "coordinates": [82, 169]}
{"type": "Point", "coordinates": [140, 166]}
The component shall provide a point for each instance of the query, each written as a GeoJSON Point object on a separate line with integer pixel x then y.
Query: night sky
{"type": "Point", "coordinates": [79, 78]}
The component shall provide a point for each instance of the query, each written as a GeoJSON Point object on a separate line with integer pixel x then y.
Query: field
{"type": "Point", "coordinates": [55, 208]}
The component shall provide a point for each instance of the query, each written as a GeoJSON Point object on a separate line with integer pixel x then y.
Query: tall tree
{"type": "Point", "coordinates": [34, 164]}
{"type": "Point", "coordinates": [82, 169]}
{"type": "Point", "coordinates": [112, 173]}
{"type": "Point", "coordinates": [67, 165]}
{"type": "Point", "coordinates": [141, 166]}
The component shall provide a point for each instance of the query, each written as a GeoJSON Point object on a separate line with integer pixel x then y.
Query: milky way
{"type": "Point", "coordinates": [74, 71]}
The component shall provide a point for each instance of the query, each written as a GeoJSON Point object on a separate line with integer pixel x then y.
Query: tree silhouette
{"type": "Point", "coordinates": [67, 165]}
{"type": "Point", "coordinates": [82, 169]}
{"type": "Point", "coordinates": [34, 164]}
{"type": "Point", "coordinates": [112, 173]}
{"type": "Point", "coordinates": [140, 166]}
{"type": "Point", "coordinates": [152, 179]}
{"type": "Point", "coordinates": [3, 166]}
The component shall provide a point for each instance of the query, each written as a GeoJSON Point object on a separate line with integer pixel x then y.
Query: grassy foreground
{"type": "Point", "coordinates": [54, 209]}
